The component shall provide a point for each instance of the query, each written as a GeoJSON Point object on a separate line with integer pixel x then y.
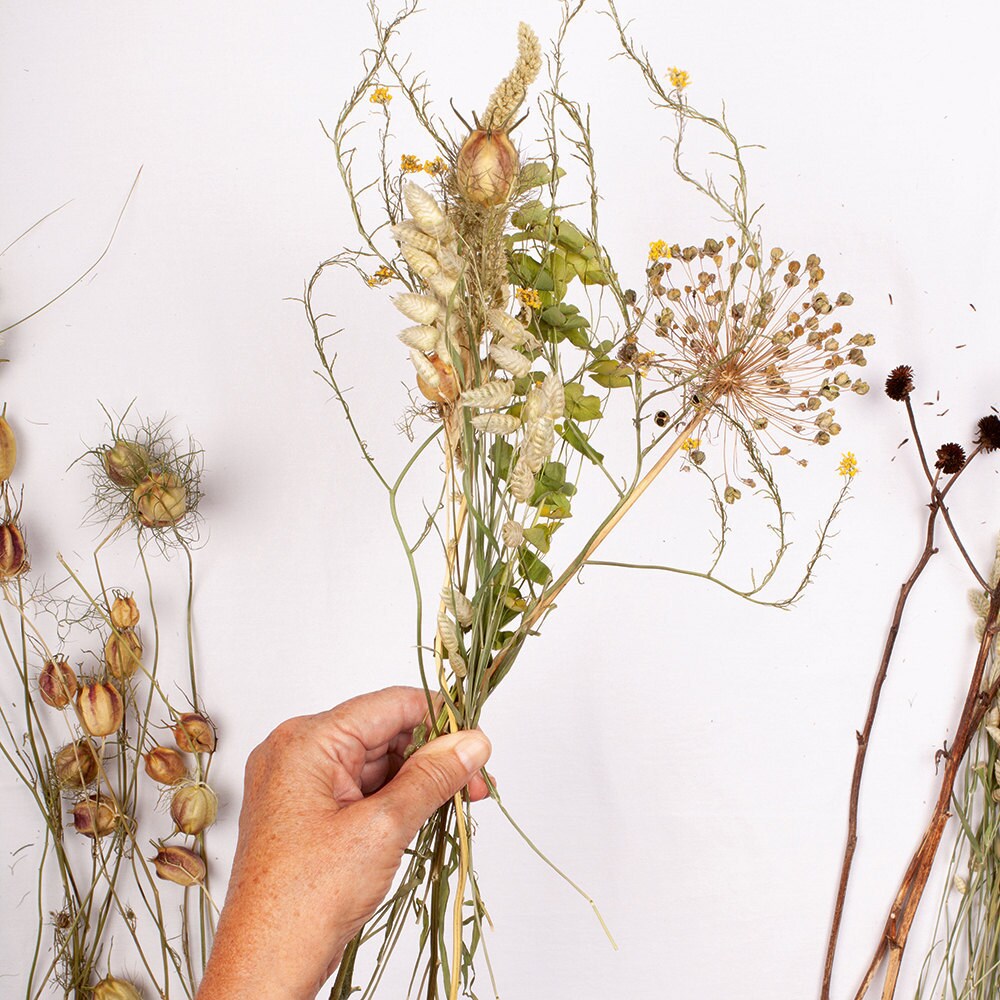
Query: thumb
{"type": "Point", "coordinates": [430, 777]}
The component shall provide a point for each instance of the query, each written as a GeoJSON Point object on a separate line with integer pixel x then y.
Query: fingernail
{"type": "Point", "coordinates": [473, 749]}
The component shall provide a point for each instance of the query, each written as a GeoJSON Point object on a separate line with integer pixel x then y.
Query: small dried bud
{"type": "Point", "coordinates": [180, 865]}
{"type": "Point", "coordinates": [662, 418]}
{"type": "Point", "coordinates": [160, 500]}
{"type": "Point", "coordinates": [989, 432]}
{"type": "Point", "coordinates": [731, 494]}
{"type": "Point", "coordinates": [194, 808]}
{"type": "Point", "coordinates": [8, 450]}
{"type": "Point", "coordinates": [123, 654]}
{"type": "Point", "coordinates": [57, 683]}
{"type": "Point", "coordinates": [194, 733]}
{"type": "Point", "coordinates": [950, 458]}
{"type": "Point", "coordinates": [126, 463]}
{"type": "Point", "coordinates": [77, 764]}
{"type": "Point", "coordinates": [165, 765]}
{"type": "Point", "coordinates": [487, 168]}
{"type": "Point", "coordinates": [899, 384]}
{"type": "Point", "coordinates": [94, 817]}
{"type": "Point", "coordinates": [124, 613]}
{"type": "Point", "coordinates": [115, 989]}
{"type": "Point", "coordinates": [513, 534]}
{"type": "Point", "coordinates": [13, 552]}
{"type": "Point", "coordinates": [100, 708]}
{"type": "Point", "coordinates": [697, 456]}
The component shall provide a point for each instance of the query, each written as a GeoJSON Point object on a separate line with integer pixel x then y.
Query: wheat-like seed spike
{"type": "Point", "coordinates": [509, 360]}
{"type": "Point", "coordinates": [980, 602]}
{"type": "Point", "coordinates": [489, 395]}
{"type": "Point", "coordinates": [409, 233]}
{"type": "Point", "coordinates": [420, 262]}
{"type": "Point", "coordinates": [512, 534]}
{"type": "Point", "coordinates": [506, 325]}
{"type": "Point", "coordinates": [458, 604]}
{"type": "Point", "coordinates": [450, 262]}
{"type": "Point", "coordinates": [420, 308]}
{"type": "Point", "coordinates": [426, 212]}
{"type": "Point", "coordinates": [534, 406]}
{"type": "Point", "coordinates": [538, 443]}
{"type": "Point", "coordinates": [555, 396]}
{"type": "Point", "coordinates": [522, 481]}
{"type": "Point", "coordinates": [449, 639]}
{"type": "Point", "coordinates": [420, 338]}
{"type": "Point", "coordinates": [507, 98]}
{"type": "Point", "coordinates": [441, 285]}
{"type": "Point", "coordinates": [425, 369]}
{"type": "Point", "coordinates": [496, 423]}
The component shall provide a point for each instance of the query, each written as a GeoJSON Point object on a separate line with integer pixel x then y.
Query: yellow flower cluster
{"type": "Point", "coordinates": [659, 249]}
{"type": "Point", "coordinates": [380, 95]}
{"type": "Point", "coordinates": [410, 164]}
{"type": "Point", "coordinates": [848, 465]}
{"type": "Point", "coordinates": [690, 444]}
{"type": "Point", "coordinates": [381, 277]}
{"type": "Point", "coordinates": [435, 167]}
{"type": "Point", "coordinates": [679, 78]}
{"type": "Point", "coordinates": [529, 297]}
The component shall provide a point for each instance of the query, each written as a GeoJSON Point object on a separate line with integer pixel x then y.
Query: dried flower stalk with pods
{"type": "Point", "coordinates": [523, 338]}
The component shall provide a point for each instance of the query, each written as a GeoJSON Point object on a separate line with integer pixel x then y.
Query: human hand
{"type": "Point", "coordinates": [329, 807]}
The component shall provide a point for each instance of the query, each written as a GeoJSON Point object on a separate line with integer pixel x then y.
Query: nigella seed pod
{"type": "Point", "coordinates": [100, 708]}
{"type": "Point", "coordinates": [165, 765]}
{"type": "Point", "coordinates": [115, 989]}
{"type": "Point", "coordinates": [436, 379]}
{"type": "Point", "coordinates": [419, 308]}
{"type": "Point", "coordinates": [94, 817]}
{"type": "Point", "coordinates": [179, 865]}
{"type": "Point", "coordinates": [487, 167]}
{"type": "Point", "coordinates": [57, 683]}
{"type": "Point", "coordinates": [126, 463]}
{"type": "Point", "coordinates": [193, 733]}
{"type": "Point", "coordinates": [194, 808]}
{"type": "Point", "coordinates": [160, 500]}
{"type": "Point", "coordinates": [8, 450]}
{"type": "Point", "coordinates": [13, 551]}
{"type": "Point", "coordinates": [123, 654]}
{"type": "Point", "coordinates": [124, 613]}
{"type": "Point", "coordinates": [426, 212]}
{"type": "Point", "coordinates": [77, 764]}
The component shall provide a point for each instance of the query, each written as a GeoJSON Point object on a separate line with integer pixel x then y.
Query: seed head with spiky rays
{"type": "Point", "coordinates": [757, 340]}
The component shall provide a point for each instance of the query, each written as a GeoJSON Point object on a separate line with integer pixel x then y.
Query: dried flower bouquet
{"type": "Point", "coordinates": [524, 343]}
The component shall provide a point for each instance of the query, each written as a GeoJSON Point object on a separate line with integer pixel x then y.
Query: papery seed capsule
{"type": "Point", "coordinates": [522, 481]}
{"type": "Point", "coordinates": [426, 212]}
{"type": "Point", "coordinates": [420, 338]}
{"type": "Point", "coordinates": [555, 396]}
{"type": "Point", "coordinates": [100, 708]}
{"type": "Point", "coordinates": [180, 865]}
{"type": "Point", "coordinates": [194, 808]}
{"type": "Point", "coordinates": [539, 442]}
{"type": "Point", "coordinates": [496, 423]}
{"type": "Point", "coordinates": [420, 262]}
{"type": "Point", "coordinates": [115, 989]}
{"type": "Point", "coordinates": [160, 500]}
{"type": "Point", "coordinates": [77, 764]}
{"type": "Point", "coordinates": [489, 395]}
{"type": "Point", "coordinates": [510, 360]}
{"type": "Point", "coordinates": [8, 450]}
{"type": "Point", "coordinates": [425, 369]}
{"type": "Point", "coordinates": [193, 733]}
{"type": "Point", "coordinates": [57, 683]}
{"type": "Point", "coordinates": [487, 168]}
{"type": "Point", "coordinates": [94, 817]}
{"type": "Point", "coordinates": [123, 654]}
{"type": "Point", "coordinates": [126, 463]}
{"type": "Point", "coordinates": [459, 605]}
{"type": "Point", "coordinates": [419, 308]}
{"type": "Point", "coordinates": [410, 233]}
{"type": "Point", "coordinates": [445, 387]}
{"type": "Point", "coordinates": [124, 613]}
{"type": "Point", "coordinates": [13, 551]}
{"type": "Point", "coordinates": [513, 534]}
{"type": "Point", "coordinates": [165, 765]}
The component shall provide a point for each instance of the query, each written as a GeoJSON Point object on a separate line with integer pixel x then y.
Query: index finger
{"type": "Point", "coordinates": [375, 719]}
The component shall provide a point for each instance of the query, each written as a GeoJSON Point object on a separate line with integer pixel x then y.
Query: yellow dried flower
{"type": "Point", "coordinates": [435, 167]}
{"type": "Point", "coordinates": [410, 164]}
{"type": "Point", "coordinates": [848, 465]}
{"type": "Point", "coordinates": [690, 444]}
{"type": "Point", "coordinates": [659, 249]}
{"type": "Point", "coordinates": [679, 78]}
{"type": "Point", "coordinates": [529, 297]}
{"type": "Point", "coordinates": [380, 95]}
{"type": "Point", "coordinates": [381, 277]}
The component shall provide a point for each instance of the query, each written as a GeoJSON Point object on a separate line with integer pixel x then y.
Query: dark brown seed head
{"type": "Point", "coordinates": [899, 384]}
{"type": "Point", "coordinates": [989, 433]}
{"type": "Point", "coordinates": [950, 458]}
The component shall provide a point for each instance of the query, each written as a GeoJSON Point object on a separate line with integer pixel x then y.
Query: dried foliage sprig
{"type": "Point", "coordinates": [518, 363]}
{"type": "Point", "coordinates": [84, 739]}
{"type": "Point", "coordinates": [951, 462]}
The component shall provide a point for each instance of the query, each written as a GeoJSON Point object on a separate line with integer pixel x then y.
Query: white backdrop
{"type": "Point", "coordinates": [689, 765]}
